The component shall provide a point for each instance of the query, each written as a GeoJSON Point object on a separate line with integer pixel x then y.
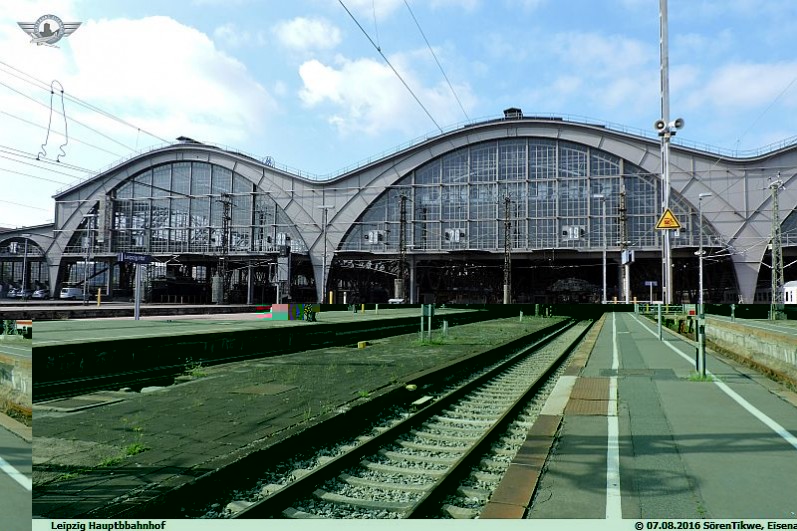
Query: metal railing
{"type": "Point", "coordinates": [560, 118]}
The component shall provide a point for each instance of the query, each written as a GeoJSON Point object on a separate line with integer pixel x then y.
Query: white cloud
{"type": "Point", "coordinates": [748, 86]}
{"type": "Point", "coordinates": [527, 5]}
{"type": "Point", "coordinates": [604, 55]}
{"type": "Point", "coordinates": [156, 73]}
{"type": "Point", "coordinates": [303, 34]}
{"type": "Point", "coordinates": [161, 69]}
{"type": "Point", "coordinates": [366, 96]}
{"type": "Point", "coordinates": [381, 9]}
{"type": "Point", "coordinates": [234, 37]}
{"type": "Point", "coordinates": [691, 45]}
{"type": "Point", "coordinates": [465, 5]}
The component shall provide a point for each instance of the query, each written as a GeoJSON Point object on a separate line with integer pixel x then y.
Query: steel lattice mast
{"type": "Point", "coordinates": [776, 242]}
{"type": "Point", "coordinates": [507, 252]}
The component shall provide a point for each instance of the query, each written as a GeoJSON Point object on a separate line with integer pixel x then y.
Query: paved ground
{"type": "Point", "coordinates": [16, 349]}
{"type": "Point", "coordinates": [15, 480]}
{"type": "Point", "coordinates": [87, 330]}
{"type": "Point", "coordinates": [81, 461]}
{"type": "Point", "coordinates": [787, 327]}
{"type": "Point", "coordinates": [687, 449]}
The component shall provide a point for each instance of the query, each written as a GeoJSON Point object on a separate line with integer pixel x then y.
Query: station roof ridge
{"type": "Point", "coordinates": [557, 118]}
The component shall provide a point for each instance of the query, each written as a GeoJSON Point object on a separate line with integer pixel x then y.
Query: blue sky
{"type": "Point", "coordinates": [299, 82]}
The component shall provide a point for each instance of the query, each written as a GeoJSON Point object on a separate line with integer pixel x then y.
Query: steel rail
{"type": "Point", "coordinates": [273, 505]}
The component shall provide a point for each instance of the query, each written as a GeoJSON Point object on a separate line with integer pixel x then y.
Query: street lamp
{"type": "Point", "coordinates": [25, 264]}
{"type": "Point", "coordinates": [700, 198]}
{"type": "Point", "coordinates": [325, 208]}
{"type": "Point", "coordinates": [666, 130]}
{"type": "Point", "coordinates": [603, 226]}
{"type": "Point", "coordinates": [701, 324]}
{"type": "Point", "coordinates": [88, 218]}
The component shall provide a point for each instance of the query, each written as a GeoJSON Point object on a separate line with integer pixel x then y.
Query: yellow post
{"type": "Point", "coordinates": [99, 296]}
{"type": "Point", "coordinates": [363, 309]}
{"type": "Point", "coordinates": [330, 296]}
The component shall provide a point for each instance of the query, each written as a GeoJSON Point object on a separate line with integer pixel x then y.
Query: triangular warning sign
{"type": "Point", "coordinates": [668, 221]}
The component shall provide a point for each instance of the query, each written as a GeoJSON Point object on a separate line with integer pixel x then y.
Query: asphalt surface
{"type": "Point", "coordinates": [88, 330]}
{"type": "Point", "coordinates": [786, 327]}
{"type": "Point", "coordinates": [218, 414]}
{"type": "Point", "coordinates": [687, 449]}
{"type": "Point", "coordinates": [15, 482]}
{"type": "Point", "coordinates": [13, 349]}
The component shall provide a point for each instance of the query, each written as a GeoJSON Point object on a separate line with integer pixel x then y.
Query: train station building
{"type": "Point", "coordinates": [532, 202]}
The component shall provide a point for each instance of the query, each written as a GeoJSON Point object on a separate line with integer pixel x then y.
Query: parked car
{"type": "Point", "coordinates": [41, 294]}
{"type": "Point", "coordinates": [23, 293]}
{"type": "Point", "coordinates": [12, 293]}
{"type": "Point", "coordinates": [71, 293]}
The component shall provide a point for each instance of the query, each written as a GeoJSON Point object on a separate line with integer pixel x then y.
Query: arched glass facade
{"type": "Point", "coordinates": [22, 261]}
{"type": "Point", "coordinates": [188, 208]}
{"type": "Point", "coordinates": [457, 202]}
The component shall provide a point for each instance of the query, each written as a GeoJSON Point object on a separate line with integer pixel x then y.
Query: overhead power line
{"type": "Point", "coordinates": [25, 155]}
{"type": "Point", "coordinates": [34, 81]}
{"type": "Point", "coordinates": [379, 50]}
{"type": "Point", "coordinates": [23, 205]}
{"type": "Point", "coordinates": [34, 124]}
{"type": "Point", "coordinates": [28, 174]}
{"type": "Point", "coordinates": [431, 50]}
{"type": "Point", "coordinates": [74, 120]}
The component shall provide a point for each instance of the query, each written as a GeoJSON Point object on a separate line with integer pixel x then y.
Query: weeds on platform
{"type": "Point", "coordinates": [194, 368]}
{"type": "Point", "coordinates": [434, 341]}
{"type": "Point", "coordinates": [697, 377]}
{"type": "Point", "coordinates": [111, 461]}
{"type": "Point", "coordinates": [135, 448]}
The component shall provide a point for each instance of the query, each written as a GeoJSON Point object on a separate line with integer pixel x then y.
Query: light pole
{"type": "Point", "coordinates": [88, 218]}
{"type": "Point", "coordinates": [24, 264]}
{"type": "Point", "coordinates": [325, 208]}
{"type": "Point", "coordinates": [603, 227]}
{"type": "Point", "coordinates": [700, 198]}
{"type": "Point", "coordinates": [666, 130]}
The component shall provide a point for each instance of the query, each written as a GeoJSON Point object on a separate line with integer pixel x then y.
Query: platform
{"type": "Point", "coordinates": [667, 445]}
{"type": "Point", "coordinates": [85, 454]}
{"type": "Point", "coordinates": [50, 333]}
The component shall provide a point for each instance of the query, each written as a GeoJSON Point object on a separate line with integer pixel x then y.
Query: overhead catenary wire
{"type": "Point", "coordinates": [379, 50]}
{"type": "Point", "coordinates": [23, 205]}
{"type": "Point", "coordinates": [376, 27]}
{"type": "Point", "coordinates": [73, 119]}
{"type": "Point", "coordinates": [34, 124]}
{"type": "Point", "coordinates": [43, 151]}
{"type": "Point", "coordinates": [15, 172]}
{"type": "Point", "coordinates": [440, 66]}
{"type": "Point", "coordinates": [34, 81]}
{"type": "Point", "coordinates": [25, 155]}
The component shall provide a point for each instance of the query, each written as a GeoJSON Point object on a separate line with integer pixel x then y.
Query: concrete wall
{"type": "Point", "coordinates": [16, 375]}
{"type": "Point", "coordinates": [776, 350]}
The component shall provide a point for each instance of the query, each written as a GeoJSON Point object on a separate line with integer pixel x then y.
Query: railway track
{"type": "Point", "coordinates": [441, 460]}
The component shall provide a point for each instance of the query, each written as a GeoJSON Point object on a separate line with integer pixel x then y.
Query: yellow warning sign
{"type": "Point", "coordinates": [668, 221]}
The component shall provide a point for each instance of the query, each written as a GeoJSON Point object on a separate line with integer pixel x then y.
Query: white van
{"type": "Point", "coordinates": [71, 293]}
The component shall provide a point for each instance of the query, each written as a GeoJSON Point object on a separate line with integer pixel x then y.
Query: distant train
{"type": "Point", "coordinates": [25, 327]}
{"type": "Point", "coordinates": [790, 292]}
{"type": "Point", "coordinates": [763, 295]}
{"type": "Point", "coordinates": [21, 327]}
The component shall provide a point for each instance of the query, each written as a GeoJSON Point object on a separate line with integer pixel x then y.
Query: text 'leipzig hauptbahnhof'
{"type": "Point", "coordinates": [532, 202]}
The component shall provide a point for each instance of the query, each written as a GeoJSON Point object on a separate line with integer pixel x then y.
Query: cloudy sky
{"type": "Point", "coordinates": [300, 82]}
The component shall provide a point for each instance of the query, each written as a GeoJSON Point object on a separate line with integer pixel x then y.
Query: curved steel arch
{"type": "Point", "coordinates": [736, 211]}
